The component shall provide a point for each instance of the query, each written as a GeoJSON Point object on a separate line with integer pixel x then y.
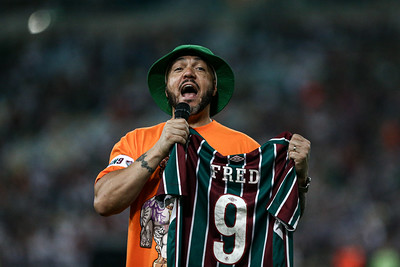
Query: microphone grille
{"type": "Point", "coordinates": [182, 110]}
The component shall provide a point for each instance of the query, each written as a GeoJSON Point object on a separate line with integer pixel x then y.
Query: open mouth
{"type": "Point", "coordinates": [189, 90]}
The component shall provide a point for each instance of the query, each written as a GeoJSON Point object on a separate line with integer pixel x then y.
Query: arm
{"type": "Point", "coordinates": [115, 191]}
{"type": "Point", "coordinates": [299, 151]}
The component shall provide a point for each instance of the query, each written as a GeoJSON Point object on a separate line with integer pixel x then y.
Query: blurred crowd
{"type": "Point", "coordinates": [68, 95]}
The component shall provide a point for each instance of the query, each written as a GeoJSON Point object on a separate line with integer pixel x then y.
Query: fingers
{"type": "Point", "coordinates": [299, 151]}
{"type": "Point", "coordinates": [299, 147]}
{"type": "Point", "coordinates": [175, 131]}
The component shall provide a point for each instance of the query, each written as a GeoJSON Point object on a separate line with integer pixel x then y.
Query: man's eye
{"type": "Point", "coordinates": [201, 68]}
{"type": "Point", "coordinates": [177, 69]}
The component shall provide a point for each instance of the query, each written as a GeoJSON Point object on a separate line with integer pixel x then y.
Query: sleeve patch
{"type": "Point", "coordinates": [121, 161]}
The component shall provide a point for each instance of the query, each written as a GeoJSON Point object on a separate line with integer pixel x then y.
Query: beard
{"type": "Point", "coordinates": [205, 100]}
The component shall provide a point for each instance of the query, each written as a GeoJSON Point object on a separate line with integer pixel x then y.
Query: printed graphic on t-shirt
{"type": "Point", "coordinates": [154, 221]}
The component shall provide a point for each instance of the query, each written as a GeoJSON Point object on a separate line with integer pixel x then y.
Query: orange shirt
{"type": "Point", "coordinates": [134, 144]}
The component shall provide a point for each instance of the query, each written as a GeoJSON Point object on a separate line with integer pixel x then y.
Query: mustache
{"type": "Point", "coordinates": [189, 80]}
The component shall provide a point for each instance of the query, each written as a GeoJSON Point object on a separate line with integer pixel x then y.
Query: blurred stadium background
{"type": "Point", "coordinates": [73, 81]}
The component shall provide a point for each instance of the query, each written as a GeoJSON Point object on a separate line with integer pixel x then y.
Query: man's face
{"type": "Point", "coordinates": [190, 80]}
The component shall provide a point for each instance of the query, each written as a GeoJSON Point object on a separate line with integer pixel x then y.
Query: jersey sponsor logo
{"type": "Point", "coordinates": [235, 175]}
{"type": "Point", "coordinates": [121, 161]}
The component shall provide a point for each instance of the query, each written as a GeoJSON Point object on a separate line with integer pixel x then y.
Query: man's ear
{"type": "Point", "coordinates": [215, 88]}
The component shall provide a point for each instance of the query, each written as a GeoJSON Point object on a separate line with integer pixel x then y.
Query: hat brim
{"type": "Point", "coordinates": [224, 73]}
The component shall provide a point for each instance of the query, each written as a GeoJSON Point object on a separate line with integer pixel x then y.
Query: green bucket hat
{"type": "Point", "coordinates": [224, 75]}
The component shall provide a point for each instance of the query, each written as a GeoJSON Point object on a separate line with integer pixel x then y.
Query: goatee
{"type": "Point", "coordinates": [173, 101]}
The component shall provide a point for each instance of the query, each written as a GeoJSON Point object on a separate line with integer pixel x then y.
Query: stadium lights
{"type": "Point", "coordinates": [39, 21]}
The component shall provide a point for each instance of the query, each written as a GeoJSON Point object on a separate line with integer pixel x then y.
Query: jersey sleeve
{"type": "Point", "coordinates": [284, 203]}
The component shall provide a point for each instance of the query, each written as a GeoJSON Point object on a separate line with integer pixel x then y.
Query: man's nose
{"type": "Point", "coordinates": [189, 72]}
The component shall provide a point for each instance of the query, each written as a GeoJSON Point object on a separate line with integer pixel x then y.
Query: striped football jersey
{"type": "Point", "coordinates": [237, 210]}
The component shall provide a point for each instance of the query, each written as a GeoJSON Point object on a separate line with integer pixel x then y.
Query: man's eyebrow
{"type": "Point", "coordinates": [182, 58]}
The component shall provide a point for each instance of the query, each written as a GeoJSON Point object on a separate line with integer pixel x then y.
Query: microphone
{"type": "Point", "coordinates": [182, 110]}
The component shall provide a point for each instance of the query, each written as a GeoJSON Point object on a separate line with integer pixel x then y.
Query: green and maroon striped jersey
{"type": "Point", "coordinates": [237, 210]}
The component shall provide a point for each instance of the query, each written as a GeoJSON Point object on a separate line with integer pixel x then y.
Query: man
{"type": "Point", "coordinates": [194, 75]}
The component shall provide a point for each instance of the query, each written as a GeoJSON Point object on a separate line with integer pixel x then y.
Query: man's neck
{"type": "Point", "coordinates": [197, 122]}
{"type": "Point", "coordinates": [200, 119]}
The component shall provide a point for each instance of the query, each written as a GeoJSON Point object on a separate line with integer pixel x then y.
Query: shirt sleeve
{"type": "Point", "coordinates": [284, 203]}
{"type": "Point", "coordinates": [121, 156]}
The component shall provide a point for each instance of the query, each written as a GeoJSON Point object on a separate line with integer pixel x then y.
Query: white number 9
{"type": "Point", "coordinates": [238, 229]}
